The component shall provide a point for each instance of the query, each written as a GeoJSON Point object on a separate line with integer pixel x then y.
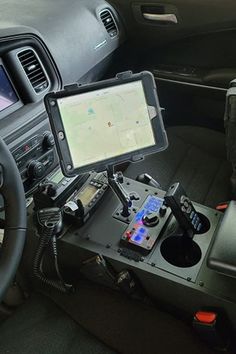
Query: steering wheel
{"type": "Point", "coordinates": [12, 190]}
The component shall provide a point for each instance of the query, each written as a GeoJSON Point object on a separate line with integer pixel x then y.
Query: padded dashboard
{"type": "Point", "coordinates": [71, 37]}
{"type": "Point", "coordinates": [73, 32]}
{"type": "Point", "coordinates": [72, 42]}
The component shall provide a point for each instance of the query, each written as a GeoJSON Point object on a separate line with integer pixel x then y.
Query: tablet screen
{"type": "Point", "coordinates": [106, 123]}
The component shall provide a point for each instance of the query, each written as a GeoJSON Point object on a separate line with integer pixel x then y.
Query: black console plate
{"type": "Point", "coordinates": [102, 233]}
{"type": "Point", "coordinates": [202, 240]}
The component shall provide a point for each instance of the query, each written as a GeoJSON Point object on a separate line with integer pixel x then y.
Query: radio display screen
{"type": "Point", "coordinates": [8, 96]}
{"type": "Point", "coordinates": [58, 177]}
{"type": "Point", "coordinates": [87, 194]}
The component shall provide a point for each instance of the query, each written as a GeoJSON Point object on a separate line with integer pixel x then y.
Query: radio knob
{"type": "Point", "coordinates": [48, 140]}
{"type": "Point", "coordinates": [151, 220]}
{"type": "Point", "coordinates": [36, 169]}
{"type": "Point", "coordinates": [52, 189]}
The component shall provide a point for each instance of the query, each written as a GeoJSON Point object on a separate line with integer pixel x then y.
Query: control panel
{"type": "Point", "coordinates": [35, 157]}
{"type": "Point", "coordinates": [145, 228]}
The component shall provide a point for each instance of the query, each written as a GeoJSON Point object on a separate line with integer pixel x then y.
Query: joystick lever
{"type": "Point", "coordinates": [115, 181]}
{"type": "Point", "coordinates": [147, 179]}
{"type": "Point", "coordinates": [183, 210]}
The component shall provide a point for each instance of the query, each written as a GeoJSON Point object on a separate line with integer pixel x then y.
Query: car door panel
{"type": "Point", "coordinates": [193, 60]}
{"type": "Point", "coordinates": [194, 17]}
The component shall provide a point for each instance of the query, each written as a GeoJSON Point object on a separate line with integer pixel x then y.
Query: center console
{"type": "Point", "coordinates": [171, 269]}
{"type": "Point", "coordinates": [111, 226]}
{"type": "Point", "coordinates": [157, 247]}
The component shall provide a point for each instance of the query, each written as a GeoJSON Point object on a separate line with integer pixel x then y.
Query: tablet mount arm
{"type": "Point", "coordinates": [115, 181]}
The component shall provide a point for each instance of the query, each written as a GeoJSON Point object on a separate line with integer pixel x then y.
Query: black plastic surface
{"type": "Point", "coordinates": [222, 256]}
{"type": "Point", "coordinates": [15, 218]}
{"type": "Point", "coordinates": [8, 49]}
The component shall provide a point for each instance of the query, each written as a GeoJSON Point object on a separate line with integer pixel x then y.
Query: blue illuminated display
{"type": "Point", "coordinates": [142, 230]}
{"type": "Point", "coordinates": [137, 238]}
{"type": "Point", "coordinates": [152, 205]}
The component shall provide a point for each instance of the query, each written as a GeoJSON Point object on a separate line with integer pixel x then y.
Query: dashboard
{"type": "Point", "coordinates": [45, 45]}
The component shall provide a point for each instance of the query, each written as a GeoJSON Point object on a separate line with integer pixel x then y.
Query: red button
{"type": "Point", "coordinates": [222, 207]}
{"type": "Point", "coordinates": [26, 148]}
{"type": "Point", "coordinates": [128, 235]}
{"type": "Point", "coordinates": [206, 317]}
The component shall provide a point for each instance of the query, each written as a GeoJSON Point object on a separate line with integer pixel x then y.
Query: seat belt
{"type": "Point", "coordinates": [230, 130]}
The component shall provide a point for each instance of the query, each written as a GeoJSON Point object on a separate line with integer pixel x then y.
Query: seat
{"type": "Point", "coordinates": [196, 157]}
{"type": "Point", "coordinates": [40, 327]}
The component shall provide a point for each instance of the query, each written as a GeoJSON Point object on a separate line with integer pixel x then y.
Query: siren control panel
{"type": "Point", "coordinates": [145, 228]}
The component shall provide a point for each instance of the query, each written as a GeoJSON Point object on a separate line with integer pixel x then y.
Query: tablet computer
{"type": "Point", "coordinates": [106, 123]}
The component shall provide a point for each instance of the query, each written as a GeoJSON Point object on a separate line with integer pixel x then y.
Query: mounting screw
{"type": "Point", "coordinates": [61, 135]}
{"type": "Point", "coordinates": [201, 283]}
{"type": "Point", "coordinates": [141, 259]}
{"type": "Point", "coordinates": [119, 250]}
{"type": "Point", "coordinates": [153, 264]}
{"type": "Point", "coordinates": [108, 246]}
{"type": "Point", "coordinates": [189, 279]}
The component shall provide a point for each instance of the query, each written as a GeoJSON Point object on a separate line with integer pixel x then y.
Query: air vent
{"type": "Point", "coordinates": [109, 22]}
{"type": "Point", "coordinates": [34, 70]}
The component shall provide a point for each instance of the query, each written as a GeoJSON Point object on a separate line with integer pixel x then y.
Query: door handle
{"type": "Point", "coordinates": [170, 18]}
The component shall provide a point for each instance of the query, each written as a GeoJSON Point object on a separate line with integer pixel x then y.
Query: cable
{"type": "Point", "coordinates": [50, 223]}
{"type": "Point", "coordinates": [2, 224]}
{"type": "Point", "coordinates": [55, 254]}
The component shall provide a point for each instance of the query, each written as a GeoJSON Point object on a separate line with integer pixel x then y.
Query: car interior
{"type": "Point", "coordinates": [137, 255]}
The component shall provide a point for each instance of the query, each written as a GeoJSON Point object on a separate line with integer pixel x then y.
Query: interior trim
{"type": "Point", "coordinates": [192, 84]}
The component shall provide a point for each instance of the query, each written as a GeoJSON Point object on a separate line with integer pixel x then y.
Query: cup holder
{"type": "Point", "coordinates": [205, 224]}
{"type": "Point", "coordinates": [181, 251]}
